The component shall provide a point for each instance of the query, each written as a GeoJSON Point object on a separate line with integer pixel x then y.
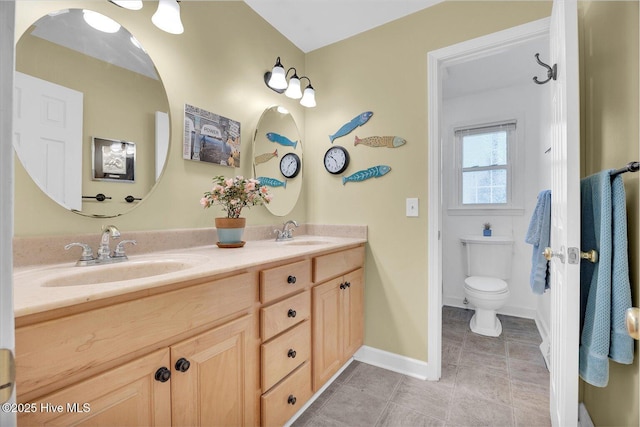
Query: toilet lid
{"type": "Point", "coordinates": [486, 284]}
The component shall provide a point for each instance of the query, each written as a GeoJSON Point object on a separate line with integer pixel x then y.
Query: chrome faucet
{"type": "Point", "coordinates": [287, 232]}
{"type": "Point", "coordinates": [104, 252]}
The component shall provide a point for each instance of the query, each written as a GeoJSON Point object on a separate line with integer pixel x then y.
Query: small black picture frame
{"type": "Point", "coordinates": [113, 160]}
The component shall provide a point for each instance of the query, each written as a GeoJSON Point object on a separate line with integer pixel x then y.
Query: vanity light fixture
{"type": "Point", "coordinates": [276, 80]}
{"type": "Point", "coordinates": [167, 17]}
{"type": "Point", "coordinates": [100, 22]}
{"type": "Point", "coordinates": [128, 4]}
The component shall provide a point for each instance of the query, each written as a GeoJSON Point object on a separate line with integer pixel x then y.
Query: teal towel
{"type": "Point", "coordinates": [605, 291]}
{"type": "Point", "coordinates": [538, 235]}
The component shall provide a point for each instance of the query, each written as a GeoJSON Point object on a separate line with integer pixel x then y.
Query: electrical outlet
{"type": "Point", "coordinates": [412, 207]}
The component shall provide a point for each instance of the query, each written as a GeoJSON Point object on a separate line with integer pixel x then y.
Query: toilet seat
{"type": "Point", "coordinates": [490, 285]}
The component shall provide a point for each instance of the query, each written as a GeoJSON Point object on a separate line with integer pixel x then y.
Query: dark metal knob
{"type": "Point", "coordinates": [342, 286]}
{"type": "Point", "coordinates": [291, 279]}
{"type": "Point", "coordinates": [291, 400]}
{"type": "Point", "coordinates": [291, 313]}
{"type": "Point", "coordinates": [291, 353]}
{"type": "Point", "coordinates": [347, 284]}
{"type": "Point", "coordinates": [183, 365]}
{"type": "Point", "coordinates": [163, 374]}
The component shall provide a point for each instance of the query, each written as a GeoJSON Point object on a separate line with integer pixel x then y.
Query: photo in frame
{"type": "Point", "coordinates": [113, 160]}
{"type": "Point", "coordinates": [209, 137]}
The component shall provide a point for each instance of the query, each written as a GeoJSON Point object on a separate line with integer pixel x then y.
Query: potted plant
{"type": "Point", "coordinates": [487, 229]}
{"type": "Point", "coordinates": [234, 194]}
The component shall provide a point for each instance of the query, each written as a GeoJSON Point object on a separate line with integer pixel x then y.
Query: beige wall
{"type": "Point", "coordinates": [385, 71]}
{"type": "Point", "coordinates": [609, 83]}
{"type": "Point", "coordinates": [216, 64]}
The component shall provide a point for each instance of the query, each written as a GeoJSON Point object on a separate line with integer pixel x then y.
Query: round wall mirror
{"type": "Point", "coordinates": [277, 159]}
{"type": "Point", "coordinates": [91, 120]}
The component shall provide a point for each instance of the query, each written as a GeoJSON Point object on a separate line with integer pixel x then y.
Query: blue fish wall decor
{"type": "Point", "coordinates": [372, 172]}
{"type": "Point", "coordinates": [271, 182]}
{"type": "Point", "coordinates": [354, 123]}
{"type": "Point", "coordinates": [282, 140]}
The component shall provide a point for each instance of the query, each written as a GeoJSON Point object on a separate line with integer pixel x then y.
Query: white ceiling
{"type": "Point", "coordinates": [312, 24]}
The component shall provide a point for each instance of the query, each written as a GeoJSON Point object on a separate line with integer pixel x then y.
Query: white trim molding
{"type": "Point", "coordinates": [393, 362]}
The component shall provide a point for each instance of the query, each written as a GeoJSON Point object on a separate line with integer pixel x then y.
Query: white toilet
{"type": "Point", "coordinates": [488, 265]}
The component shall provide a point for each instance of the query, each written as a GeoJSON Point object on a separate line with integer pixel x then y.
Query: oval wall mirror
{"type": "Point", "coordinates": [277, 158]}
{"type": "Point", "coordinates": [91, 120]}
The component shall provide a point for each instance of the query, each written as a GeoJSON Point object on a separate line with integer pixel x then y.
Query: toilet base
{"type": "Point", "coordinates": [485, 322]}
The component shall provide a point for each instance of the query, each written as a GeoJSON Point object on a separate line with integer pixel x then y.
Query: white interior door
{"type": "Point", "coordinates": [47, 136]}
{"type": "Point", "coordinates": [565, 214]}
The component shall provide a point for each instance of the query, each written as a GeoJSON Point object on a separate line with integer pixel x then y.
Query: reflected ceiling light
{"type": "Point", "coordinates": [100, 22]}
{"type": "Point", "coordinates": [167, 17]}
{"type": "Point", "coordinates": [128, 4]}
{"type": "Point", "coordinates": [276, 80]}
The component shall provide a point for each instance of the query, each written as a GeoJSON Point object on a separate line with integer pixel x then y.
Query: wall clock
{"type": "Point", "coordinates": [290, 165]}
{"type": "Point", "coordinates": [336, 160]}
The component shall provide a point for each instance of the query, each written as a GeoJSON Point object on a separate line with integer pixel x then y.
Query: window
{"type": "Point", "coordinates": [484, 164]}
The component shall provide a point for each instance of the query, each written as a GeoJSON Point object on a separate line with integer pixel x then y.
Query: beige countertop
{"type": "Point", "coordinates": [42, 288]}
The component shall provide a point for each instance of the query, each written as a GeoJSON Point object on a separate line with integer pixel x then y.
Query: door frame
{"type": "Point", "coordinates": [436, 61]}
{"type": "Point", "coordinates": [7, 340]}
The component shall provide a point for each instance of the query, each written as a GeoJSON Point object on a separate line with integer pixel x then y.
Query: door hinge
{"type": "Point", "coordinates": [7, 374]}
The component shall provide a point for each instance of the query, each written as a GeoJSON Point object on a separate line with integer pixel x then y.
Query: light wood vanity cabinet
{"type": "Point", "coordinates": [242, 350]}
{"type": "Point", "coordinates": [338, 312]}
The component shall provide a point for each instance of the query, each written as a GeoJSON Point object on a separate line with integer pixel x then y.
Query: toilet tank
{"type": "Point", "coordinates": [488, 256]}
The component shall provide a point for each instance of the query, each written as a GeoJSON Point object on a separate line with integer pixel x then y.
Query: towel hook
{"type": "Point", "coordinates": [552, 72]}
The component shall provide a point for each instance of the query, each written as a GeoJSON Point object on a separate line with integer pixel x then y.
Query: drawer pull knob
{"type": "Point", "coordinates": [291, 400]}
{"type": "Point", "coordinates": [342, 286]}
{"type": "Point", "coordinates": [347, 284]}
{"type": "Point", "coordinates": [183, 365]}
{"type": "Point", "coordinates": [291, 313]}
{"type": "Point", "coordinates": [163, 374]}
{"type": "Point", "coordinates": [291, 279]}
{"type": "Point", "coordinates": [291, 353]}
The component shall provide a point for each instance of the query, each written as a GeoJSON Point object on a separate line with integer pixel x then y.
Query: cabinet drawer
{"type": "Point", "coordinates": [285, 280]}
{"type": "Point", "coordinates": [338, 263]}
{"type": "Point", "coordinates": [279, 404]}
{"type": "Point", "coordinates": [283, 354]}
{"type": "Point", "coordinates": [281, 316]}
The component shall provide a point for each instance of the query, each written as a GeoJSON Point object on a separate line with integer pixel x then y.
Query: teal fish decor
{"type": "Point", "coordinates": [282, 140]}
{"type": "Point", "coordinates": [372, 172]}
{"type": "Point", "coordinates": [354, 123]}
{"type": "Point", "coordinates": [271, 182]}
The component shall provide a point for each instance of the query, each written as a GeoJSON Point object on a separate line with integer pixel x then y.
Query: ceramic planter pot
{"type": "Point", "coordinates": [230, 230]}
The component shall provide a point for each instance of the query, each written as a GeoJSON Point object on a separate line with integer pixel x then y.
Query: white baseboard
{"type": "Point", "coordinates": [393, 362]}
{"type": "Point", "coordinates": [545, 346]}
{"type": "Point", "coordinates": [508, 310]}
{"type": "Point", "coordinates": [584, 420]}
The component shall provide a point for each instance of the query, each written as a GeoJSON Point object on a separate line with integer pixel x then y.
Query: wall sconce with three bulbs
{"type": "Point", "coordinates": [167, 16]}
{"type": "Point", "coordinates": [276, 80]}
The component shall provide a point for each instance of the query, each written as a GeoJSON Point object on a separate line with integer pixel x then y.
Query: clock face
{"type": "Point", "coordinates": [336, 160]}
{"type": "Point", "coordinates": [290, 165]}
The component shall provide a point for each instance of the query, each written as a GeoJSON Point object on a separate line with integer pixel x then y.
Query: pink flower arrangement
{"type": "Point", "coordinates": [233, 194]}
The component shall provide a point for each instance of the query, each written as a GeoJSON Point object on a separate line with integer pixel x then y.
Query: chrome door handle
{"type": "Point", "coordinates": [633, 322]}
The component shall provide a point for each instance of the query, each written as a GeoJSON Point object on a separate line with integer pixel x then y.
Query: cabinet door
{"type": "Point", "coordinates": [327, 336]}
{"type": "Point", "coordinates": [217, 383]}
{"type": "Point", "coordinates": [353, 313]}
{"type": "Point", "coordinates": [128, 395]}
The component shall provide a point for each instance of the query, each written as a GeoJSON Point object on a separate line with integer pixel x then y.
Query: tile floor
{"type": "Point", "coordinates": [485, 382]}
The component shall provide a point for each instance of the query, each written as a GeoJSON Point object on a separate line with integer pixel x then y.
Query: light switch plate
{"type": "Point", "coordinates": [412, 207]}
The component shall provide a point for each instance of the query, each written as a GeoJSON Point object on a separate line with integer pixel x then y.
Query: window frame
{"type": "Point", "coordinates": [513, 166]}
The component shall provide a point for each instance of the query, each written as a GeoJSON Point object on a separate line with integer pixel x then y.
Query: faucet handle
{"type": "Point", "coordinates": [119, 250]}
{"type": "Point", "coordinates": [87, 253]}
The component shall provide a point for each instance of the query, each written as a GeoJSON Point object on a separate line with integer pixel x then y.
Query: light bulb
{"type": "Point", "coordinates": [100, 22]}
{"type": "Point", "coordinates": [167, 17]}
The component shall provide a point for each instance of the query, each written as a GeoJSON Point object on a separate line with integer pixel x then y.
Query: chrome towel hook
{"type": "Point", "coordinates": [552, 72]}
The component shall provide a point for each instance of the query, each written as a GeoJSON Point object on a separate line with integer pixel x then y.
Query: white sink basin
{"type": "Point", "coordinates": [117, 272]}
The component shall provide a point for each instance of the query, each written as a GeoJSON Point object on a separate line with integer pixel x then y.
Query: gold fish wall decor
{"type": "Point", "coordinates": [381, 141]}
{"type": "Point", "coordinates": [263, 158]}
